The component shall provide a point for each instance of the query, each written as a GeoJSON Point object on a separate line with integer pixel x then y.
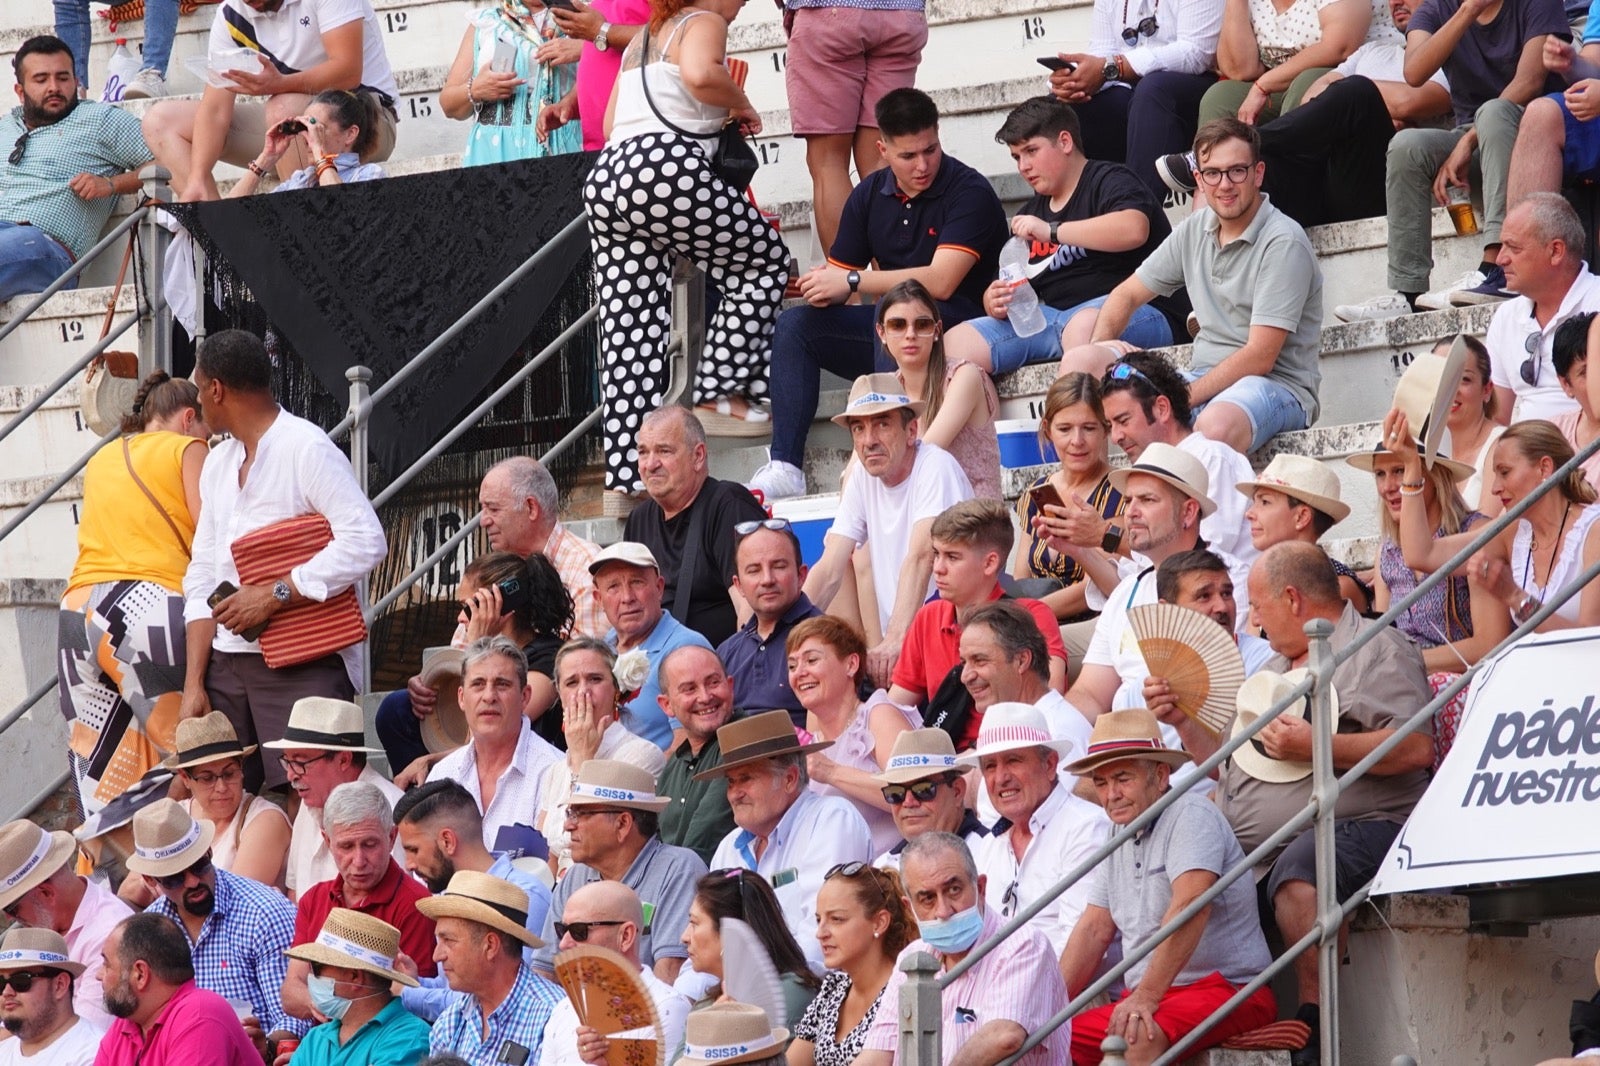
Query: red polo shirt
{"type": "Point", "coordinates": [393, 901]}
{"type": "Point", "coordinates": [195, 1026]}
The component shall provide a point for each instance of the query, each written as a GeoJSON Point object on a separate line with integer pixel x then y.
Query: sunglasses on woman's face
{"type": "Point", "coordinates": [922, 327]}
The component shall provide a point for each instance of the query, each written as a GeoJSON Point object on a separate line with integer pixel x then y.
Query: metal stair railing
{"type": "Point", "coordinates": [920, 1036]}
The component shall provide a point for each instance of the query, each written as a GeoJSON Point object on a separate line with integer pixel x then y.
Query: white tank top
{"type": "Point", "coordinates": [1568, 562]}
{"type": "Point", "coordinates": [633, 116]}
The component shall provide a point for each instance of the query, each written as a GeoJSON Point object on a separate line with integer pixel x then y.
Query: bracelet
{"type": "Point", "coordinates": [325, 166]}
{"type": "Point", "coordinates": [1412, 484]}
{"type": "Point", "coordinates": [256, 169]}
{"type": "Point", "coordinates": [470, 98]}
{"type": "Point", "coordinates": [1404, 491]}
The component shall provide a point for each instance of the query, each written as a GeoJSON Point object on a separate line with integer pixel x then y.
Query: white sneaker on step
{"type": "Point", "coordinates": [148, 84]}
{"type": "Point", "coordinates": [778, 480]}
{"type": "Point", "coordinates": [1439, 299]}
{"type": "Point", "coordinates": [1388, 305]}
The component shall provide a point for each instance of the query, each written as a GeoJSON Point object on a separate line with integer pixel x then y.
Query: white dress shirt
{"type": "Point", "coordinates": [1185, 39]}
{"type": "Point", "coordinates": [517, 793]}
{"type": "Point", "coordinates": [1066, 831]}
{"type": "Point", "coordinates": [310, 861]}
{"type": "Point", "coordinates": [560, 1047]}
{"type": "Point", "coordinates": [297, 471]}
{"type": "Point", "coordinates": [1225, 529]}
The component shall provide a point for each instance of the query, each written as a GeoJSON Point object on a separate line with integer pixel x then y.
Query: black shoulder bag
{"type": "Point", "coordinates": [732, 158]}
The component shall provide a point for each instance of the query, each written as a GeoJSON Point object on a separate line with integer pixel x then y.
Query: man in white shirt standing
{"type": "Point", "coordinates": [276, 466]}
{"type": "Point", "coordinates": [301, 48]}
{"type": "Point", "coordinates": [36, 980]}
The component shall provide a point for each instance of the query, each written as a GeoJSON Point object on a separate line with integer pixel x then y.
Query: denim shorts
{"type": "Point", "coordinates": [1270, 407]}
{"type": "Point", "coordinates": [1148, 328]}
{"type": "Point", "coordinates": [1580, 156]}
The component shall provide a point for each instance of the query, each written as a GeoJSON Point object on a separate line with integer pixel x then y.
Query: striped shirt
{"type": "Point", "coordinates": [1045, 561]}
{"type": "Point", "coordinates": [92, 139]}
{"type": "Point", "coordinates": [520, 1019]}
{"type": "Point", "coordinates": [571, 555]}
{"type": "Point", "coordinates": [240, 951]}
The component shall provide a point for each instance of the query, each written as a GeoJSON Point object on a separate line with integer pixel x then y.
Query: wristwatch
{"type": "Point", "coordinates": [1112, 540]}
{"type": "Point", "coordinates": [1110, 72]}
{"type": "Point", "coordinates": [854, 280]}
{"type": "Point", "coordinates": [600, 38]}
{"type": "Point", "coordinates": [282, 592]}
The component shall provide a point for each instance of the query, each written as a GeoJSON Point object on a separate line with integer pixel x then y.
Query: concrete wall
{"type": "Point", "coordinates": [33, 750]}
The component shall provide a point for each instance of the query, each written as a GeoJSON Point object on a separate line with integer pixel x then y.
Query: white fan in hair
{"type": "Point", "coordinates": [748, 975]}
{"type": "Point", "coordinates": [1198, 658]}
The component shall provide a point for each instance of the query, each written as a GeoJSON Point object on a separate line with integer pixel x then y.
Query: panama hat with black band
{"type": "Point", "coordinates": [491, 901]}
{"type": "Point", "coordinates": [1174, 466]}
{"type": "Point", "coordinates": [324, 724]}
{"type": "Point", "coordinates": [206, 739]}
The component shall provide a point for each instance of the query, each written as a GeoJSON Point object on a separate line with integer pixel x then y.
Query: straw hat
{"type": "Point", "coordinates": [760, 736]}
{"type": "Point", "coordinates": [919, 753]}
{"type": "Point", "coordinates": [446, 728]}
{"type": "Point", "coordinates": [207, 739]}
{"type": "Point", "coordinates": [477, 897]}
{"type": "Point", "coordinates": [357, 941]}
{"type": "Point", "coordinates": [1306, 480]}
{"type": "Point", "coordinates": [28, 856]}
{"type": "Point", "coordinates": [1132, 733]}
{"type": "Point", "coordinates": [166, 840]}
{"type": "Point", "coordinates": [630, 552]}
{"type": "Point", "coordinates": [1174, 466]}
{"type": "Point", "coordinates": [1426, 391]}
{"type": "Point", "coordinates": [326, 724]}
{"type": "Point", "coordinates": [608, 783]}
{"type": "Point", "coordinates": [726, 1033]}
{"type": "Point", "coordinates": [1256, 697]}
{"type": "Point", "coordinates": [1009, 726]}
{"type": "Point", "coordinates": [1459, 471]}
{"type": "Point", "coordinates": [873, 394]}
{"type": "Point", "coordinates": [24, 948]}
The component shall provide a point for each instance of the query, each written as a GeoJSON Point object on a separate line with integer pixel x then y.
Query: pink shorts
{"type": "Point", "coordinates": [842, 60]}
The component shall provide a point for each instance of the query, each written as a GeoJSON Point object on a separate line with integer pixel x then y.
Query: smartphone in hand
{"type": "Point", "coordinates": [1046, 495]}
{"type": "Point", "coordinates": [1056, 63]}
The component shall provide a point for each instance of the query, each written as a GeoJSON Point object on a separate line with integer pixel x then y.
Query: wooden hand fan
{"type": "Point", "coordinates": [748, 975]}
{"type": "Point", "coordinates": [1198, 658]}
{"type": "Point", "coordinates": [608, 994]}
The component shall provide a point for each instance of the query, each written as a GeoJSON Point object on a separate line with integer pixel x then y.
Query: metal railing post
{"type": "Point", "coordinates": [1112, 1050]}
{"type": "Point", "coordinates": [1325, 794]}
{"type": "Point", "coordinates": [921, 1013]}
{"type": "Point", "coordinates": [688, 331]}
{"type": "Point", "coordinates": [360, 379]}
{"type": "Point", "coordinates": [155, 338]}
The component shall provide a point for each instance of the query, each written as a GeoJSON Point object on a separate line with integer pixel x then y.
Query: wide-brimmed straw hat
{"type": "Point", "coordinates": [166, 840]}
{"type": "Point", "coordinates": [28, 856]}
{"type": "Point", "coordinates": [726, 1033]}
{"type": "Point", "coordinates": [1174, 466]}
{"type": "Point", "coordinates": [760, 736]}
{"type": "Point", "coordinates": [609, 783]}
{"type": "Point", "coordinates": [919, 753]}
{"type": "Point", "coordinates": [26, 948]}
{"type": "Point", "coordinates": [206, 739]}
{"type": "Point", "coordinates": [1132, 733]}
{"type": "Point", "coordinates": [1307, 480]}
{"type": "Point", "coordinates": [1425, 392]}
{"type": "Point", "coordinates": [326, 724]}
{"type": "Point", "coordinates": [873, 394]}
{"type": "Point", "coordinates": [1257, 696]}
{"type": "Point", "coordinates": [446, 728]}
{"type": "Point", "coordinates": [1009, 726]}
{"type": "Point", "coordinates": [1459, 471]}
{"type": "Point", "coordinates": [477, 897]}
{"type": "Point", "coordinates": [357, 941]}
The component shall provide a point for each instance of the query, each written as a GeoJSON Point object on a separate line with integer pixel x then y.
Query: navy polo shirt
{"type": "Point", "coordinates": [959, 210]}
{"type": "Point", "coordinates": [760, 669]}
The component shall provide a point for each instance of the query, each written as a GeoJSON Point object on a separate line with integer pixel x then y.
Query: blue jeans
{"type": "Point", "coordinates": [399, 731]}
{"type": "Point", "coordinates": [1270, 407]}
{"type": "Point", "coordinates": [1148, 328]}
{"type": "Point", "coordinates": [1137, 126]}
{"type": "Point", "coordinates": [29, 260]}
{"type": "Point", "coordinates": [160, 27]}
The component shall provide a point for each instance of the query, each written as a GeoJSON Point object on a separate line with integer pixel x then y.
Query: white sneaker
{"type": "Point", "coordinates": [148, 84]}
{"type": "Point", "coordinates": [1439, 299]}
{"type": "Point", "coordinates": [777, 481]}
{"type": "Point", "coordinates": [1389, 305]}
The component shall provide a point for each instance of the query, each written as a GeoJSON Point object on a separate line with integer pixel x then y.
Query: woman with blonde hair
{"type": "Point", "coordinates": [1474, 423]}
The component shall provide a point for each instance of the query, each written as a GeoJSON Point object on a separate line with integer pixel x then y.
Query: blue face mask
{"type": "Point", "coordinates": [953, 934]}
{"type": "Point", "coordinates": [323, 999]}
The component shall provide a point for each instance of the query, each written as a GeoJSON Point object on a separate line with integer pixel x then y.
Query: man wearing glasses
{"type": "Point", "coordinates": [607, 914]}
{"type": "Point", "coordinates": [69, 161]}
{"type": "Point", "coordinates": [36, 1004]}
{"type": "Point", "coordinates": [926, 792]}
{"type": "Point", "coordinates": [322, 748]}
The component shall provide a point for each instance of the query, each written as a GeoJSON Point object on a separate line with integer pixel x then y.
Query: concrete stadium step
{"type": "Point", "coordinates": [52, 436]}
{"type": "Point", "coordinates": [46, 545]}
{"type": "Point", "coordinates": [66, 327]}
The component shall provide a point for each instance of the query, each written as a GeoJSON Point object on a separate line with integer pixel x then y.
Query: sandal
{"type": "Point", "coordinates": [720, 421]}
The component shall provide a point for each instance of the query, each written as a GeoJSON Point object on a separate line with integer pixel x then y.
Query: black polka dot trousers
{"type": "Point", "coordinates": [650, 198]}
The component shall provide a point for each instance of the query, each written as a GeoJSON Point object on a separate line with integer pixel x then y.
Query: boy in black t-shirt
{"type": "Point", "coordinates": [1089, 224]}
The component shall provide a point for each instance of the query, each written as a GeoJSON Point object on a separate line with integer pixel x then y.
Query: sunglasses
{"type": "Point", "coordinates": [579, 931]}
{"type": "Point", "coordinates": [1008, 902]}
{"type": "Point", "coordinates": [1530, 365]}
{"type": "Point", "coordinates": [200, 868]}
{"type": "Point", "coordinates": [1147, 27]}
{"type": "Point", "coordinates": [1126, 372]}
{"type": "Point", "coordinates": [744, 529]}
{"type": "Point", "coordinates": [922, 326]}
{"type": "Point", "coordinates": [19, 148]}
{"type": "Point", "coordinates": [924, 791]}
{"type": "Point", "coordinates": [22, 980]}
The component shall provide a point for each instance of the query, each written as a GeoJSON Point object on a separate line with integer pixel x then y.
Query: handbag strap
{"type": "Point", "coordinates": [692, 547]}
{"type": "Point", "coordinates": [644, 61]}
{"type": "Point", "coordinates": [116, 292]}
{"type": "Point", "coordinates": [127, 457]}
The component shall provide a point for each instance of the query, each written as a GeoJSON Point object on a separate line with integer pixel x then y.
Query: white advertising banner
{"type": "Point", "coordinates": [1518, 796]}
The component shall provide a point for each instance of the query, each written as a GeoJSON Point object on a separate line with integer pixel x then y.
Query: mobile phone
{"type": "Point", "coordinates": [1046, 495]}
{"type": "Point", "coordinates": [505, 57]}
{"type": "Point", "coordinates": [514, 596]}
{"type": "Point", "coordinates": [222, 592]}
{"type": "Point", "coordinates": [291, 126]}
{"type": "Point", "coordinates": [565, 5]}
{"type": "Point", "coordinates": [1056, 63]}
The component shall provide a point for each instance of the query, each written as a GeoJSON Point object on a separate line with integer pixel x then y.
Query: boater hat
{"type": "Point", "coordinates": [28, 856]}
{"type": "Point", "coordinates": [1174, 466]}
{"type": "Point", "coordinates": [1306, 480]}
{"type": "Point", "coordinates": [917, 754]}
{"type": "Point", "coordinates": [1256, 697]}
{"type": "Point", "coordinates": [328, 724]}
{"type": "Point", "coordinates": [1009, 726]}
{"type": "Point", "coordinates": [608, 783]}
{"type": "Point", "coordinates": [446, 728]}
{"type": "Point", "coordinates": [1132, 733]}
{"type": "Point", "coordinates": [760, 736]}
{"type": "Point", "coordinates": [207, 739]}
{"type": "Point", "coordinates": [477, 897]}
{"type": "Point", "coordinates": [25, 948]}
{"type": "Point", "coordinates": [873, 394]}
{"type": "Point", "coordinates": [166, 840]}
{"type": "Point", "coordinates": [727, 1033]}
{"type": "Point", "coordinates": [357, 941]}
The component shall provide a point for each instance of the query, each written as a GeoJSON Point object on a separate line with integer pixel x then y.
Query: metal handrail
{"type": "Point", "coordinates": [134, 218]}
{"type": "Point", "coordinates": [27, 702]}
{"type": "Point", "coordinates": [67, 376]}
{"type": "Point", "coordinates": [60, 481]}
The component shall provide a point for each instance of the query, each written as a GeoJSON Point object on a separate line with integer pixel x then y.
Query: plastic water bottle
{"type": "Point", "coordinates": [1023, 312]}
{"type": "Point", "coordinates": [121, 69]}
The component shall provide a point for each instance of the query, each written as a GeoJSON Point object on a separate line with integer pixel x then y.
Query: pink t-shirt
{"type": "Point", "coordinates": [597, 70]}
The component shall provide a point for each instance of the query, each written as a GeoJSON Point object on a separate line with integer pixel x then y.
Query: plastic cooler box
{"type": "Point", "coordinates": [1019, 443]}
{"type": "Point", "coordinates": [810, 517]}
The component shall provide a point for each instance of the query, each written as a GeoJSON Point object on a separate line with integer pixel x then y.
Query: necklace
{"type": "Point", "coordinates": [1555, 546]}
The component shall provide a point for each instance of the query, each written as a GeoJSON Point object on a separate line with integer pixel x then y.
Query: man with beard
{"type": "Point", "coordinates": [163, 1017]}
{"type": "Point", "coordinates": [441, 832]}
{"type": "Point", "coordinates": [698, 693]}
{"type": "Point", "coordinates": [237, 929]}
{"type": "Point", "coordinates": [57, 191]}
{"type": "Point", "coordinates": [36, 1004]}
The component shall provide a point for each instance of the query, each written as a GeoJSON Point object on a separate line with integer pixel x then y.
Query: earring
{"type": "Point", "coordinates": [876, 934]}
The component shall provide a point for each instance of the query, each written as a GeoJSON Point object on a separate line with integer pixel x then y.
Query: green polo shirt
{"type": "Point", "coordinates": [699, 816]}
{"type": "Point", "coordinates": [394, 1037]}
